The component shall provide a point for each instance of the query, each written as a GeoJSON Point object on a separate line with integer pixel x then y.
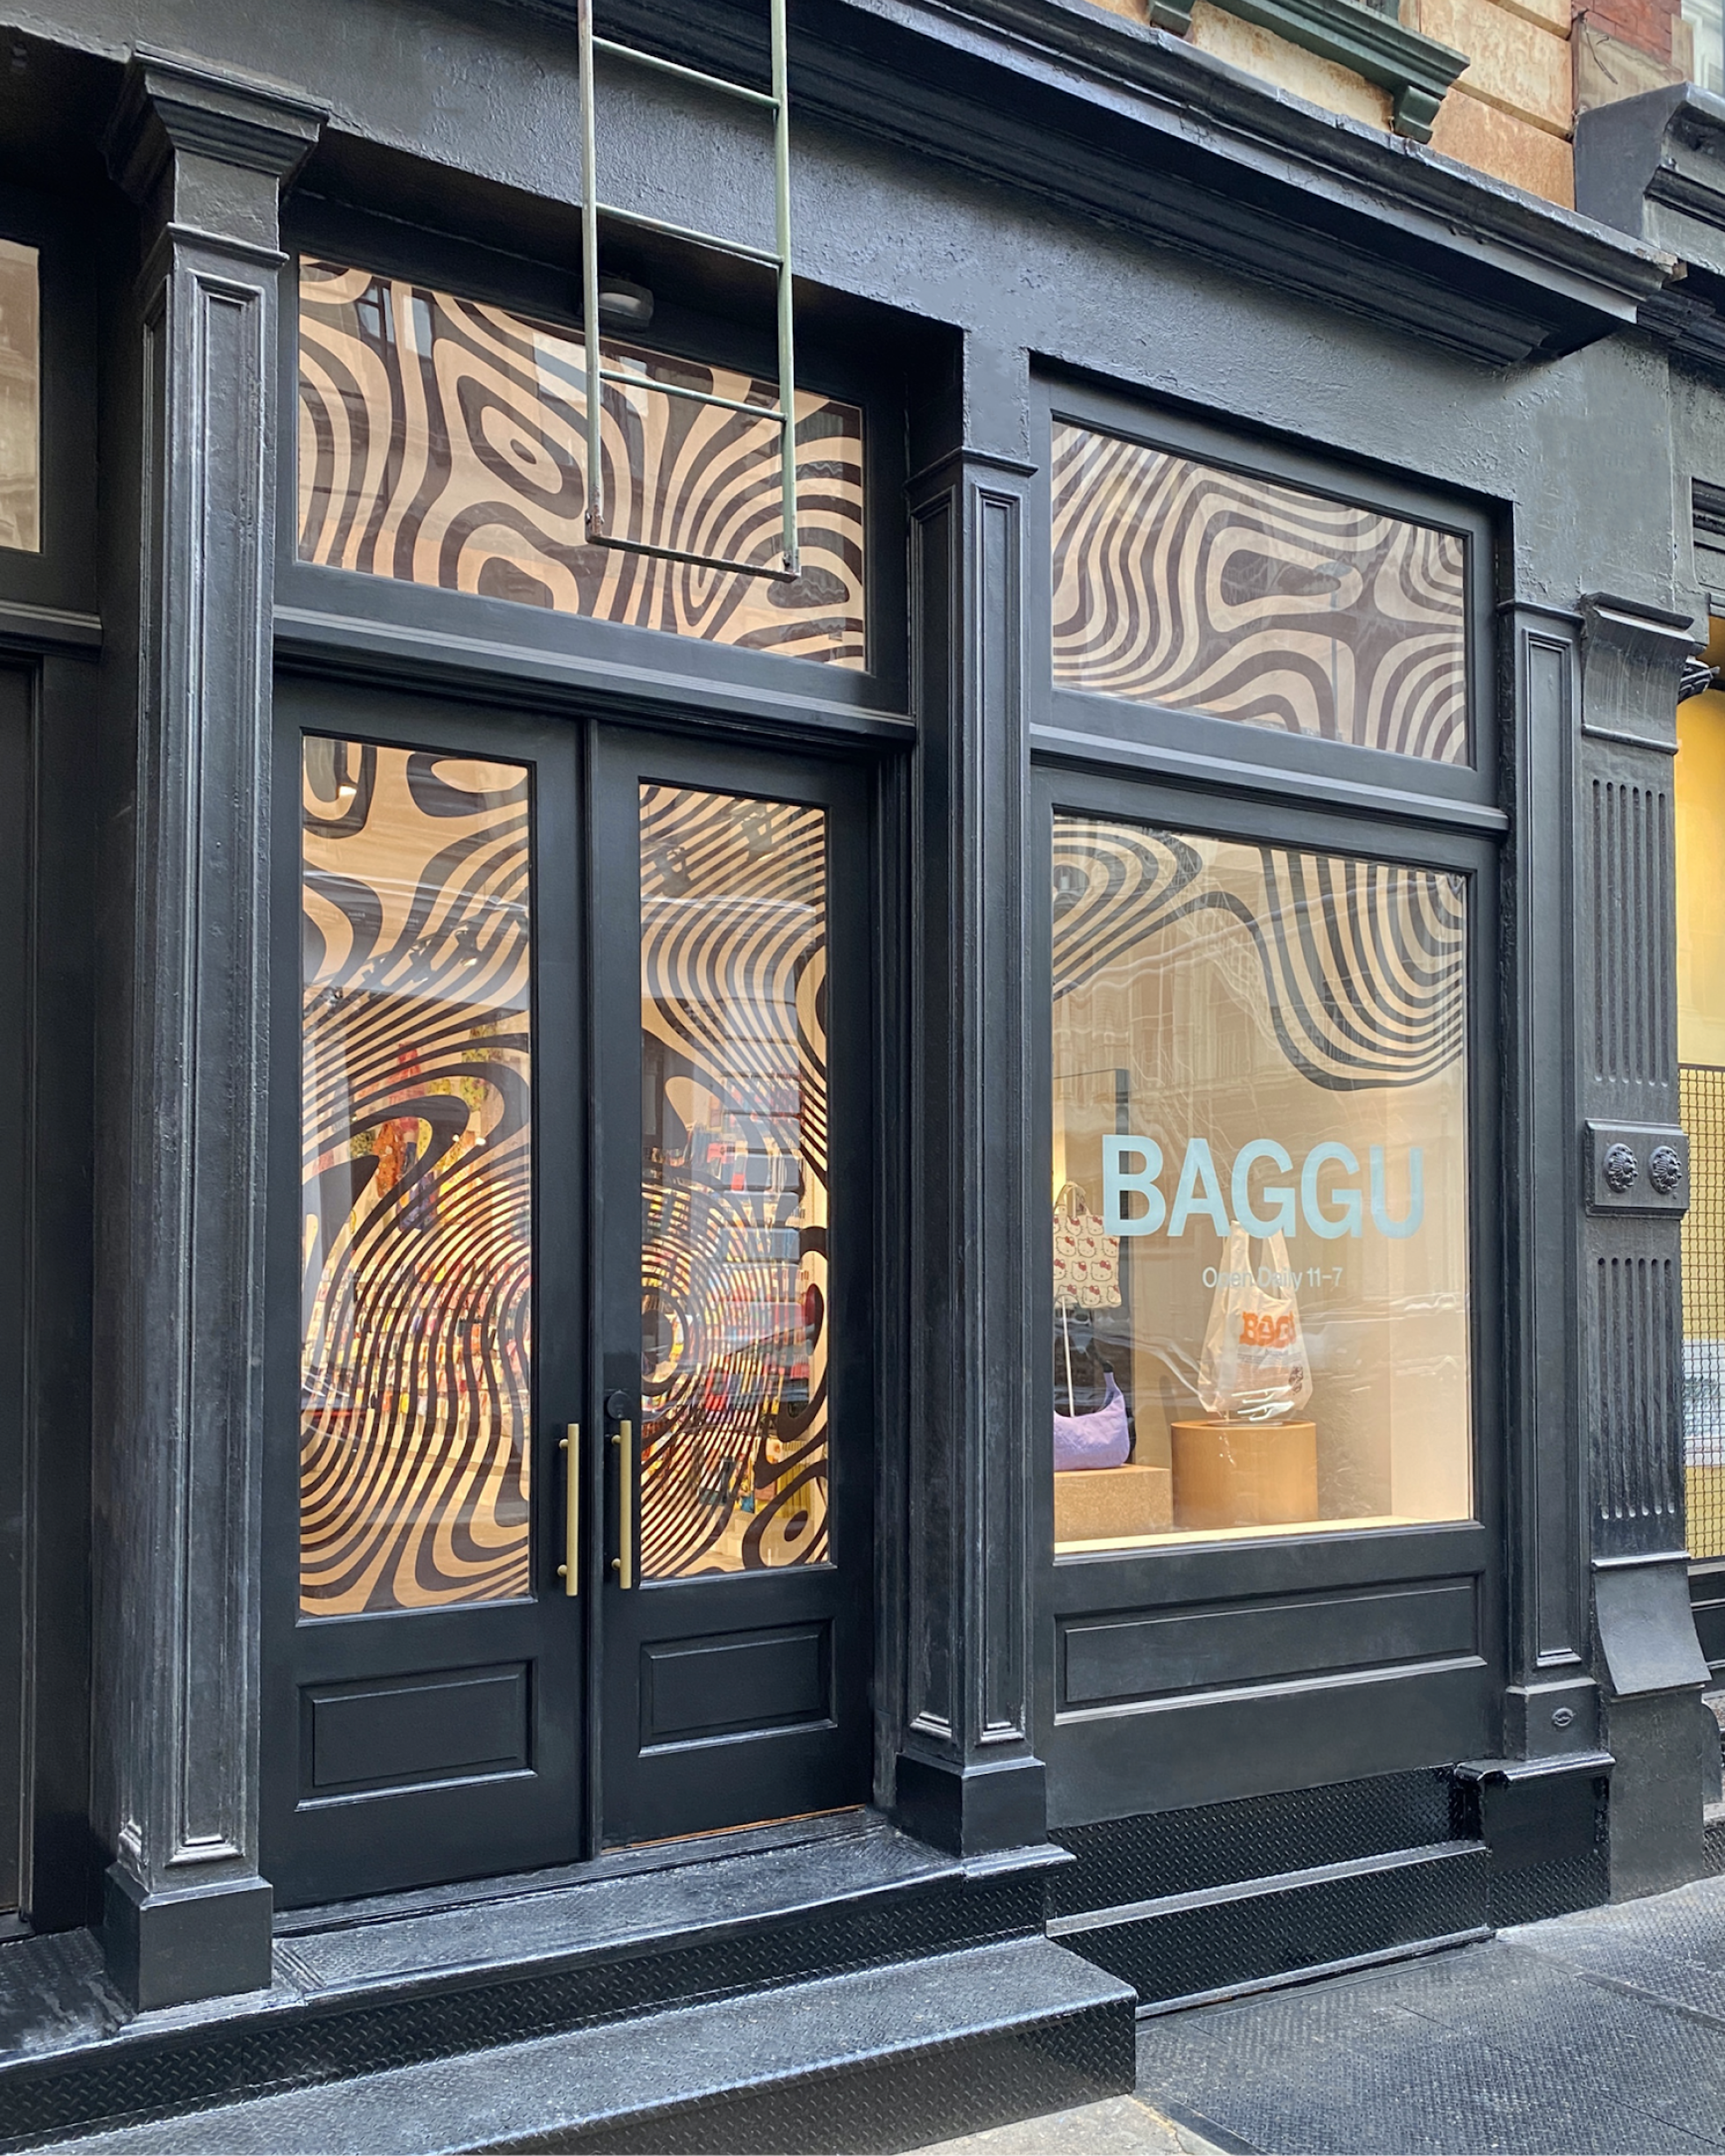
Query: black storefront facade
{"type": "Point", "coordinates": [1202, 794]}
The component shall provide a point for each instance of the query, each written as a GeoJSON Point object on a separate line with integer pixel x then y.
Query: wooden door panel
{"type": "Point", "coordinates": [425, 1670]}
{"type": "Point", "coordinates": [731, 1016]}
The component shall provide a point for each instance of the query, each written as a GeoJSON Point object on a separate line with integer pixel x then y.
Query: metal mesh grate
{"type": "Point", "coordinates": [1703, 1097]}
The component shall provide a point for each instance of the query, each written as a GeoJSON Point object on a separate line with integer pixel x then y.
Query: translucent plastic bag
{"type": "Point", "coordinates": [1254, 1367]}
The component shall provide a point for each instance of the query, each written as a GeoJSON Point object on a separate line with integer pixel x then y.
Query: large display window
{"type": "Point", "coordinates": [1260, 1189]}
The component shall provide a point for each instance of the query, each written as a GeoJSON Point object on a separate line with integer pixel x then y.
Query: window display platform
{"type": "Point", "coordinates": [1098, 1545]}
{"type": "Point", "coordinates": [1131, 1501]}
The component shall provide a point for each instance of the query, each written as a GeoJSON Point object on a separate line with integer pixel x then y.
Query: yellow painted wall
{"type": "Point", "coordinates": [1700, 803]}
{"type": "Point", "coordinates": [1700, 783]}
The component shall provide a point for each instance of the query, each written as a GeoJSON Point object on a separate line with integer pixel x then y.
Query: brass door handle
{"type": "Point", "coordinates": [569, 1571]}
{"type": "Point", "coordinates": [623, 1563]}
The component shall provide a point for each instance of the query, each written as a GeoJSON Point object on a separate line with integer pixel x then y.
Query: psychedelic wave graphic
{"type": "Point", "coordinates": [1178, 584]}
{"type": "Point", "coordinates": [1363, 965]}
{"type": "Point", "coordinates": [734, 1183]}
{"type": "Point", "coordinates": [443, 442]}
{"type": "Point", "coordinates": [417, 1165]}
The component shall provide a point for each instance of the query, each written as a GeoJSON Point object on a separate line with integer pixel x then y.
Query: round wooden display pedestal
{"type": "Point", "coordinates": [1244, 1474]}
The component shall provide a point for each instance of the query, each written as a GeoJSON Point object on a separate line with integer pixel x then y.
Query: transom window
{"type": "Point", "coordinates": [1182, 584]}
{"type": "Point", "coordinates": [443, 442]}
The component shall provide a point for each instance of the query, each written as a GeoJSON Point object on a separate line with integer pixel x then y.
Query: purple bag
{"type": "Point", "coordinates": [1101, 1440]}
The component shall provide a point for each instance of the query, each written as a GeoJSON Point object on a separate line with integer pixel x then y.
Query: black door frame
{"type": "Point", "coordinates": [331, 1849]}
{"type": "Point", "coordinates": [52, 806]}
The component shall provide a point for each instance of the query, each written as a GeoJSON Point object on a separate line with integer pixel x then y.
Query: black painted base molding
{"type": "Point", "coordinates": [1218, 1899]}
{"type": "Point", "coordinates": [1545, 1823]}
{"type": "Point", "coordinates": [201, 1943]}
{"type": "Point", "coordinates": [971, 1811]}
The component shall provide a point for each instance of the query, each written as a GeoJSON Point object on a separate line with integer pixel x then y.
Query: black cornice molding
{"type": "Point", "coordinates": [1654, 167]}
{"type": "Point", "coordinates": [1133, 128]}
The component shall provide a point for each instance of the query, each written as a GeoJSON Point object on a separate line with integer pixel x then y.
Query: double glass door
{"type": "Point", "coordinates": [567, 1542]}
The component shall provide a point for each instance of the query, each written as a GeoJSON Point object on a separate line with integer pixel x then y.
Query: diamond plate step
{"type": "Point", "coordinates": [1179, 1950]}
{"type": "Point", "coordinates": [875, 2060]}
{"type": "Point", "coordinates": [419, 1976]}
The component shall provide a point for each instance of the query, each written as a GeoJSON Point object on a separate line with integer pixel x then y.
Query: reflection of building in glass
{"type": "Point", "coordinates": [733, 1184]}
{"type": "Point", "coordinates": [1280, 1035]}
{"type": "Point", "coordinates": [20, 400]}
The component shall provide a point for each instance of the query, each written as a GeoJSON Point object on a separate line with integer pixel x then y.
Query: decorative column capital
{"type": "Point", "coordinates": [1633, 660]}
{"type": "Point", "coordinates": [176, 114]}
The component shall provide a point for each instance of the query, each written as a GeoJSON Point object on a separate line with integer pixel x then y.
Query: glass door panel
{"type": "Point", "coordinates": [733, 1465]}
{"type": "Point", "coordinates": [417, 1287]}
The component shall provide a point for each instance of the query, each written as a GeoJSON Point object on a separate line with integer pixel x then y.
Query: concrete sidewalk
{"type": "Point", "coordinates": [1123, 2126]}
{"type": "Point", "coordinates": [1600, 2032]}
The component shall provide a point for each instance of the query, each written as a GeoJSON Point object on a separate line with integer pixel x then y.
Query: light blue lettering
{"type": "Point", "coordinates": [1415, 1213]}
{"type": "Point", "coordinates": [1199, 1190]}
{"type": "Point", "coordinates": [1322, 1223]}
{"type": "Point", "coordinates": [1117, 1181]}
{"type": "Point", "coordinates": [1284, 1220]}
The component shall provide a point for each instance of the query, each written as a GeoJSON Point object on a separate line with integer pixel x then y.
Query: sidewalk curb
{"type": "Point", "coordinates": [1196, 2135]}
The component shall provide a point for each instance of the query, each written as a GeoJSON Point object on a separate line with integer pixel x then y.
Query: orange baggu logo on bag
{"type": "Point", "coordinates": [1264, 1331]}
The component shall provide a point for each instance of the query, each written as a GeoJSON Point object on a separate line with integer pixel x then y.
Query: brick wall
{"type": "Point", "coordinates": [1645, 25]}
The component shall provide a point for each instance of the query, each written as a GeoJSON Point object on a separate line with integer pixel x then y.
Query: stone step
{"type": "Point", "coordinates": [1218, 1942]}
{"type": "Point", "coordinates": [885, 2058]}
{"type": "Point", "coordinates": [440, 1972]}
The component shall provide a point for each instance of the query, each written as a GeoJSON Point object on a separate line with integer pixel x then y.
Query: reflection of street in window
{"type": "Point", "coordinates": [1207, 995]}
{"type": "Point", "coordinates": [20, 399]}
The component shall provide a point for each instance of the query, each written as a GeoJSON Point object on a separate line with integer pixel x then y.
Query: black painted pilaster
{"type": "Point", "coordinates": [182, 1058]}
{"type": "Point", "coordinates": [1552, 1704]}
{"type": "Point", "coordinates": [966, 1778]}
{"type": "Point", "coordinates": [1632, 1166]}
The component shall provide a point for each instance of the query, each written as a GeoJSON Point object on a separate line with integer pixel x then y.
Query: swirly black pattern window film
{"type": "Point", "coordinates": [734, 1184]}
{"type": "Point", "coordinates": [1180, 584]}
{"type": "Point", "coordinates": [1261, 1318]}
{"type": "Point", "coordinates": [417, 1227]}
{"type": "Point", "coordinates": [443, 441]}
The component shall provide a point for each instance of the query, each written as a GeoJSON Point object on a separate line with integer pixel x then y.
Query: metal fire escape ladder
{"type": "Point", "coordinates": [778, 260]}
